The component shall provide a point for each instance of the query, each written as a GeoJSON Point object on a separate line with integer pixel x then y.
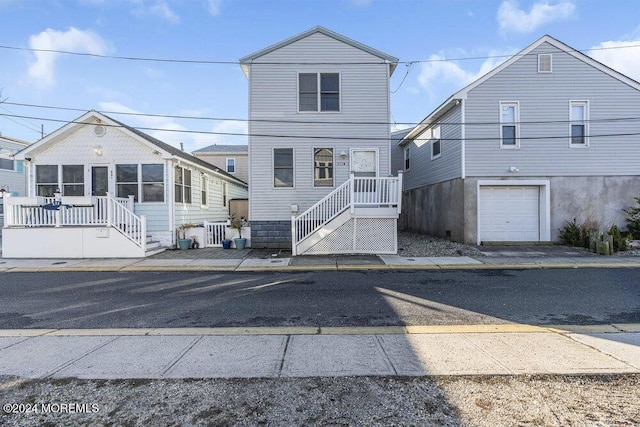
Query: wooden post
{"type": "Point", "coordinates": [143, 232]}
{"type": "Point", "coordinates": [294, 235]}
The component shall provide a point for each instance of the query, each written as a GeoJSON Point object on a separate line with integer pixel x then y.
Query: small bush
{"type": "Point", "coordinates": [571, 234]}
{"type": "Point", "coordinates": [620, 242]}
{"type": "Point", "coordinates": [633, 219]}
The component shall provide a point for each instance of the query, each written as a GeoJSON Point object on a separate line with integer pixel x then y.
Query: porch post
{"type": "Point", "coordinates": [131, 202]}
{"type": "Point", "coordinates": [58, 213]}
{"type": "Point", "coordinates": [109, 210]}
{"type": "Point", "coordinates": [294, 240]}
{"type": "Point", "coordinates": [352, 185]}
{"type": "Point", "coordinates": [143, 232]}
{"type": "Point", "coordinates": [7, 212]}
{"type": "Point", "coordinates": [399, 184]}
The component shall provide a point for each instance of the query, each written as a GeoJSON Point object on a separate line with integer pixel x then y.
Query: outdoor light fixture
{"type": "Point", "coordinates": [97, 150]}
{"type": "Point", "coordinates": [343, 154]}
{"type": "Point", "coordinates": [514, 169]}
{"type": "Point", "coordinates": [2, 191]}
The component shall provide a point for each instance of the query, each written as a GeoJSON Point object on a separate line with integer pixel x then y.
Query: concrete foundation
{"type": "Point", "coordinates": [451, 206]}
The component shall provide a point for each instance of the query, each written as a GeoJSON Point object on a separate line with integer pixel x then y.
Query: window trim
{"type": "Point", "coordinates": [142, 183]}
{"type": "Point", "coordinates": [13, 165]}
{"type": "Point", "coordinates": [550, 55]}
{"type": "Point", "coordinates": [58, 169]}
{"type": "Point", "coordinates": [585, 123]}
{"type": "Point", "coordinates": [333, 168]}
{"type": "Point", "coordinates": [273, 167]}
{"type": "Point", "coordinates": [137, 181]}
{"type": "Point", "coordinates": [225, 194]}
{"type": "Point", "coordinates": [233, 159]}
{"type": "Point", "coordinates": [436, 137]}
{"type": "Point", "coordinates": [81, 184]}
{"type": "Point", "coordinates": [516, 124]}
{"type": "Point", "coordinates": [204, 191]}
{"type": "Point", "coordinates": [183, 186]}
{"type": "Point", "coordinates": [318, 92]}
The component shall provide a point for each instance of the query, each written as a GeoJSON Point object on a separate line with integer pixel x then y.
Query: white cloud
{"type": "Point", "coordinates": [214, 7]}
{"type": "Point", "coordinates": [162, 10]}
{"type": "Point", "coordinates": [622, 56]}
{"type": "Point", "coordinates": [241, 129]}
{"type": "Point", "coordinates": [512, 18]}
{"type": "Point", "coordinates": [439, 72]}
{"type": "Point", "coordinates": [73, 40]}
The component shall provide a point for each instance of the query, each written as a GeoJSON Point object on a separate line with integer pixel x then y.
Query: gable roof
{"type": "Point", "coordinates": [14, 140]}
{"type": "Point", "coordinates": [222, 148]}
{"type": "Point", "coordinates": [462, 93]}
{"type": "Point", "coordinates": [168, 151]}
{"type": "Point", "coordinates": [245, 62]}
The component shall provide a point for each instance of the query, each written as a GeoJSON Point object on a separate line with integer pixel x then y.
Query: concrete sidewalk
{"type": "Point", "coordinates": [252, 260]}
{"type": "Point", "coordinates": [309, 352]}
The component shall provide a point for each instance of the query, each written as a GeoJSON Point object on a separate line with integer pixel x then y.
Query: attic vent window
{"type": "Point", "coordinates": [99, 130]}
{"type": "Point", "coordinates": [544, 63]}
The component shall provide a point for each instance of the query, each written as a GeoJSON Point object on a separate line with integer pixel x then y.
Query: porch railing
{"type": "Point", "coordinates": [356, 192]}
{"type": "Point", "coordinates": [106, 211]}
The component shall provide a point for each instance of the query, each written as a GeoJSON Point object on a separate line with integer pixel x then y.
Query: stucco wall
{"type": "Point", "coordinates": [435, 209]}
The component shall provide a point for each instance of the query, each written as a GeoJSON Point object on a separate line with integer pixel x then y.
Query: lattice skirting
{"type": "Point", "coordinates": [360, 236]}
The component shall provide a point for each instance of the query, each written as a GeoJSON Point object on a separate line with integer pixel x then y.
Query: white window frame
{"type": "Point", "coordinates": [319, 92]}
{"type": "Point", "coordinates": [183, 186]}
{"type": "Point", "coordinates": [314, 167]}
{"type": "Point", "coordinates": [550, 63]}
{"type": "Point", "coordinates": [233, 162]}
{"type": "Point", "coordinates": [516, 123]}
{"type": "Point", "coordinates": [436, 138]}
{"type": "Point", "coordinates": [204, 191]}
{"type": "Point", "coordinates": [585, 123]}
{"type": "Point", "coordinates": [225, 194]}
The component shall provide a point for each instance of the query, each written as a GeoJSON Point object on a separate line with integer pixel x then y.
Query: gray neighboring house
{"type": "Point", "coordinates": [318, 110]}
{"type": "Point", "coordinates": [233, 159]}
{"type": "Point", "coordinates": [538, 141]}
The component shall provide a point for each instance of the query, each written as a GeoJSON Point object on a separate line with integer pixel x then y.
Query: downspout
{"type": "Point", "coordinates": [388, 67]}
{"type": "Point", "coordinates": [170, 198]}
{"type": "Point", "coordinates": [463, 145]}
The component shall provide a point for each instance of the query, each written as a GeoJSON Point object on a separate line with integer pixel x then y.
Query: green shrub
{"type": "Point", "coordinates": [620, 242]}
{"type": "Point", "coordinates": [572, 234]}
{"type": "Point", "coordinates": [633, 219]}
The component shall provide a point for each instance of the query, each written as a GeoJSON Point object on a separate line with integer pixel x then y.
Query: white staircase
{"type": "Point", "coordinates": [360, 216]}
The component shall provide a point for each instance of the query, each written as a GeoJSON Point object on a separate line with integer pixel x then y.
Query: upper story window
{"type": "Point", "coordinates": [509, 118]}
{"type": "Point", "coordinates": [578, 119]}
{"type": "Point", "coordinates": [323, 167]}
{"type": "Point", "coordinates": [319, 92]}
{"type": "Point", "coordinates": [436, 143]}
{"type": "Point", "coordinates": [183, 185]}
{"type": "Point", "coordinates": [231, 165]}
{"type": "Point", "coordinates": [545, 63]}
{"type": "Point", "coordinates": [283, 167]}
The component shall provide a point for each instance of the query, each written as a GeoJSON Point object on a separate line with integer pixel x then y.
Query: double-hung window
{"type": "Point", "coordinates": [231, 165]}
{"type": "Point", "coordinates": [283, 167]}
{"type": "Point", "coordinates": [319, 92]}
{"type": "Point", "coordinates": [407, 158]}
{"type": "Point", "coordinates": [204, 186]}
{"type": "Point", "coordinates": [72, 180]}
{"type": "Point", "coordinates": [46, 180]}
{"type": "Point", "coordinates": [323, 167]}
{"type": "Point", "coordinates": [436, 143]}
{"type": "Point", "coordinates": [6, 164]}
{"type": "Point", "coordinates": [509, 132]}
{"type": "Point", "coordinates": [183, 185]}
{"type": "Point", "coordinates": [127, 180]}
{"type": "Point", "coordinates": [153, 183]}
{"type": "Point", "coordinates": [578, 119]}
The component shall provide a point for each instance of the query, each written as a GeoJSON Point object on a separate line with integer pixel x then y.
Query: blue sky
{"type": "Point", "coordinates": [417, 32]}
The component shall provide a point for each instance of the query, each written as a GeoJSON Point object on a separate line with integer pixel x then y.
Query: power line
{"type": "Point", "coordinates": [332, 122]}
{"type": "Point", "coordinates": [212, 62]}
{"type": "Point", "coordinates": [320, 137]}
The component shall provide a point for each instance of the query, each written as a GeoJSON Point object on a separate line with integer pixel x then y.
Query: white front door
{"type": "Point", "coordinates": [99, 180]}
{"type": "Point", "coordinates": [364, 164]}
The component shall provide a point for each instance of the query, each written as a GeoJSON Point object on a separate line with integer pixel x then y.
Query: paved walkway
{"type": "Point", "coordinates": [217, 259]}
{"type": "Point", "coordinates": [308, 352]}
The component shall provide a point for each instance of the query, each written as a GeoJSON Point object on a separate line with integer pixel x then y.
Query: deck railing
{"type": "Point", "coordinates": [355, 192]}
{"type": "Point", "coordinates": [63, 211]}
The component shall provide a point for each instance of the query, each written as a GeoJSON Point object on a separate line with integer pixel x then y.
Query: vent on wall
{"type": "Point", "coordinates": [99, 130]}
{"type": "Point", "coordinates": [544, 62]}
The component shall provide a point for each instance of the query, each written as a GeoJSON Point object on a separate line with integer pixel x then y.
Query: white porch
{"type": "Point", "coordinates": [360, 216]}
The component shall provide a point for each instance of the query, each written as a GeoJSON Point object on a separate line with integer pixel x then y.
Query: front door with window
{"type": "Point", "coordinates": [99, 180]}
{"type": "Point", "coordinates": [364, 164]}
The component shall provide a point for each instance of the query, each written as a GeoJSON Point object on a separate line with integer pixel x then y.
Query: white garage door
{"type": "Point", "coordinates": [509, 214]}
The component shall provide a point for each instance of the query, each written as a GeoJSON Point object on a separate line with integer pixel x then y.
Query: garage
{"type": "Point", "coordinates": [509, 213]}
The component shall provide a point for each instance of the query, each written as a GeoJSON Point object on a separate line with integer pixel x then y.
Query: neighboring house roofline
{"type": "Point", "coordinates": [14, 140]}
{"type": "Point", "coordinates": [168, 151]}
{"type": "Point", "coordinates": [246, 61]}
{"type": "Point", "coordinates": [224, 149]}
{"type": "Point", "coordinates": [462, 93]}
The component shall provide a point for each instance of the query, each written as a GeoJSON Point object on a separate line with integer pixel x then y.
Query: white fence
{"type": "Point", "coordinates": [76, 211]}
{"type": "Point", "coordinates": [214, 233]}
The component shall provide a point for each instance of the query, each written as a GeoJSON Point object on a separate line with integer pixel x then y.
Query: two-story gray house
{"type": "Point", "coordinates": [548, 136]}
{"type": "Point", "coordinates": [319, 148]}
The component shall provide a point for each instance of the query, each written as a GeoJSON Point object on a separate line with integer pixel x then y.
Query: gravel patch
{"type": "Point", "coordinates": [372, 401]}
{"type": "Point", "coordinates": [422, 245]}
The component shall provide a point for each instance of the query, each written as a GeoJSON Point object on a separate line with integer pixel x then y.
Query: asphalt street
{"type": "Point", "coordinates": [321, 298]}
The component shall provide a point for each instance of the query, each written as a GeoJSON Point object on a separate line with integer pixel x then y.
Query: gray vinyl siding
{"type": "Point", "coordinates": [545, 98]}
{"type": "Point", "coordinates": [273, 90]}
{"type": "Point", "coordinates": [423, 169]}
